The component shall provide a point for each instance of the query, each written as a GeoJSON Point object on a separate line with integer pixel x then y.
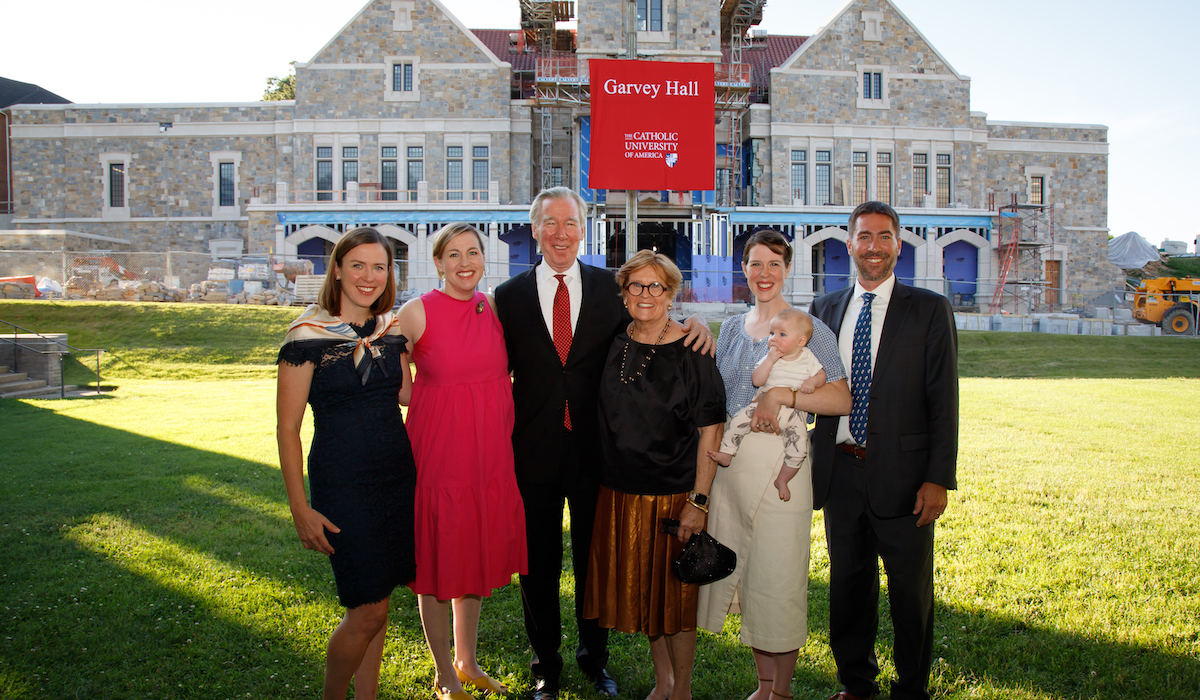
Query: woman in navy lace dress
{"type": "Point", "coordinates": [346, 358]}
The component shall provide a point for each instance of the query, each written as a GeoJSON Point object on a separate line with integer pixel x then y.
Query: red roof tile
{"type": "Point", "coordinates": [762, 57]}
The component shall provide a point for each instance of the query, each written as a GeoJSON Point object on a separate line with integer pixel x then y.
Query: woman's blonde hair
{"type": "Point", "coordinates": [671, 276]}
{"type": "Point", "coordinates": [330, 297]}
{"type": "Point", "coordinates": [445, 234]}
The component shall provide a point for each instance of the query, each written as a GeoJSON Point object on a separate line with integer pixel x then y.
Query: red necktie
{"type": "Point", "coordinates": [562, 332]}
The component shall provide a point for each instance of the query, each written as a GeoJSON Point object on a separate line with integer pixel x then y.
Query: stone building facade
{"type": "Point", "coordinates": [407, 120]}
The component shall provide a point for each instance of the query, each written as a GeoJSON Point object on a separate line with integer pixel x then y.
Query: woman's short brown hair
{"type": "Point", "coordinates": [772, 239]}
{"type": "Point", "coordinates": [671, 276]}
{"type": "Point", "coordinates": [330, 298]}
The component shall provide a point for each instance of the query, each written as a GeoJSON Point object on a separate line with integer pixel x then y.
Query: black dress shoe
{"type": "Point", "coordinates": [604, 684]}
{"type": "Point", "coordinates": [545, 690]}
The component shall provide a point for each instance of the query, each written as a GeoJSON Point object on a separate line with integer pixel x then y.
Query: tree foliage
{"type": "Point", "coordinates": [281, 88]}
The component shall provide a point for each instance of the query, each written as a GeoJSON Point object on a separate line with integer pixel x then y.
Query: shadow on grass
{"type": "Point", "coordinates": [1008, 656]}
{"type": "Point", "coordinates": [134, 567]}
{"type": "Point", "coordinates": [976, 654]}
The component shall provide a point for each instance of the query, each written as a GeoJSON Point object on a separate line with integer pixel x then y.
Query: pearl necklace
{"type": "Point", "coordinates": [646, 360]}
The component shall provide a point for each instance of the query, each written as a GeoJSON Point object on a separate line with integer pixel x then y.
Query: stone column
{"type": "Point", "coordinates": [492, 278]}
{"type": "Point", "coordinates": [935, 263]}
{"type": "Point", "coordinates": [421, 275]}
{"type": "Point", "coordinates": [801, 280]}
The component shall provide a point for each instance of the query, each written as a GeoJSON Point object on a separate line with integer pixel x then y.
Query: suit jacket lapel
{"type": "Point", "coordinates": [838, 313]}
{"type": "Point", "coordinates": [529, 296]}
{"type": "Point", "coordinates": [893, 322]}
{"type": "Point", "coordinates": [587, 282]}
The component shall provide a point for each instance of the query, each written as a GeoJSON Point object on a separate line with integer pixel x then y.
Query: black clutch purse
{"type": "Point", "coordinates": [703, 559]}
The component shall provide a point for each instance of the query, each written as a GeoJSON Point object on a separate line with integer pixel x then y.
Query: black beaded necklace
{"type": "Point", "coordinates": [646, 360]}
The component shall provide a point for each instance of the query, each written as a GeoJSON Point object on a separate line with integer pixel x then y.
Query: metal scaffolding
{"type": "Point", "coordinates": [562, 79]}
{"type": "Point", "coordinates": [538, 18]}
{"type": "Point", "coordinates": [733, 88]}
{"type": "Point", "coordinates": [1026, 231]}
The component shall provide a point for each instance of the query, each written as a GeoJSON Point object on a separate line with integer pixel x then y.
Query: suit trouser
{"type": "Point", "coordinates": [857, 540]}
{"type": "Point", "coordinates": [540, 587]}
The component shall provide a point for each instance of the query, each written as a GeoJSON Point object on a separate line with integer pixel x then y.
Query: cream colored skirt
{"type": "Point", "coordinates": [769, 587]}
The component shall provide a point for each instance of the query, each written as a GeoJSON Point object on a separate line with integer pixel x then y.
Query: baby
{"type": "Point", "coordinates": [788, 364]}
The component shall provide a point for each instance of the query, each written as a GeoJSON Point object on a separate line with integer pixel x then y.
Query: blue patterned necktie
{"type": "Point", "coordinates": [860, 371]}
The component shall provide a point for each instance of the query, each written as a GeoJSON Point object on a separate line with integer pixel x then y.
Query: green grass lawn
{"type": "Point", "coordinates": [205, 341]}
{"type": "Point", "coordinates": [154, 340]}
{"type": "Point", "coordinates": [148, 550]}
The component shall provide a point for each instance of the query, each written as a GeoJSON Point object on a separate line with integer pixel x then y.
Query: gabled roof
{"type": "Point", "coordinates": [762, 58]}
{"type": "Point", "coordinates": [497, 42]}
{"type": "Point", "coordinates": [491, 55]}
{"type": "Point", "coordinates": [14, 92]}
{"type": "Point", "coordinates": [791, 60]}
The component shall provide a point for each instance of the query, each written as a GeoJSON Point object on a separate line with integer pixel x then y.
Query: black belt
{"type": "Point", "coordinates": [855, 451]}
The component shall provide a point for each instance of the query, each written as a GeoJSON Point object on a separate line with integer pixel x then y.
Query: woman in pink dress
{"type": "Point", "coordinates": [470, 522]}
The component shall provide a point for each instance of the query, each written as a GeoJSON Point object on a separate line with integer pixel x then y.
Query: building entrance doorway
{"type": "Point", "coordinates": [661, 236]}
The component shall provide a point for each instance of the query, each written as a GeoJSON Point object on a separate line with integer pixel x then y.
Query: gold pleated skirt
{"type": "Point", "coordinates": [631, 585]}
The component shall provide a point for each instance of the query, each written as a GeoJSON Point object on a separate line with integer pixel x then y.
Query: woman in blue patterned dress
{"type": "Point", "coordinates": [770, 585]}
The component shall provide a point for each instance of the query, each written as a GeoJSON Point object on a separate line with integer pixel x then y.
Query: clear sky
{"type": "Point", "coordinates": [1129, 66]}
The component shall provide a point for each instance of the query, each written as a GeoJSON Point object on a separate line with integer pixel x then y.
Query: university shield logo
{"type": "Point", "coordinates": [672, 158]}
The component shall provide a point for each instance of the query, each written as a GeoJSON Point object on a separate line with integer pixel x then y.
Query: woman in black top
{"type": "Point", "coordinates": [661, 408]}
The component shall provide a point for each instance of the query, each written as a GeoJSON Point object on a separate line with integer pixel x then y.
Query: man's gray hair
{"type": "Point", "coordinates": [535, 208]}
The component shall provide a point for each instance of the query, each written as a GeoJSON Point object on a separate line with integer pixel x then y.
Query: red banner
{"type": "Point", "coordinates": [652, 125]}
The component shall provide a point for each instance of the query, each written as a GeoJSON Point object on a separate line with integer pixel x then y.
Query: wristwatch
{"type": "Point", "coordinates": [699, 500]}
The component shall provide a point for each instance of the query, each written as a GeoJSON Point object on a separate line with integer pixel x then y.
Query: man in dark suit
{"type": "Point", "coordinates": [559, 319]}
{"type": "Point", "coordinates": [882, 473]}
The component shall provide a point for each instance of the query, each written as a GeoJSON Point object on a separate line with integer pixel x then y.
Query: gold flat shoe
{"type": "Point", "coordinates": [445, 694]}
{"type": "Point", "coordinates": [485, 682]}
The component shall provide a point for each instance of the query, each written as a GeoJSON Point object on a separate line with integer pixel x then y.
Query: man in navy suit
{"type": "Point", "coordinates": [882, 472]}
{"type": "Point", "coordinates": [556, 363]}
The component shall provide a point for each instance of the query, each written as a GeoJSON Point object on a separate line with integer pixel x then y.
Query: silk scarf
{"type": "Point", "coordinates": [316, 327]}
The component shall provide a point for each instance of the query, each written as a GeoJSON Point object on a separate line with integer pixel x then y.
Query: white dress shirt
{"type": "Point", "coordinates": [547, 287]}
{"type": "Point", "coordinates": [879, 307]}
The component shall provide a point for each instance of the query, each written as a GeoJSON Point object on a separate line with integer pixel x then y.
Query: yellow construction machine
{"type": "Point", "coordinates": [1168, 302]}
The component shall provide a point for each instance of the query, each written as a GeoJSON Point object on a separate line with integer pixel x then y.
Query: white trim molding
{"type": "Point", "coordinates": [1089, 148]}
{"type": "Point", "coordinates": [893, 133]}
{"type": "Point", "coordinates": [647, 37]}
